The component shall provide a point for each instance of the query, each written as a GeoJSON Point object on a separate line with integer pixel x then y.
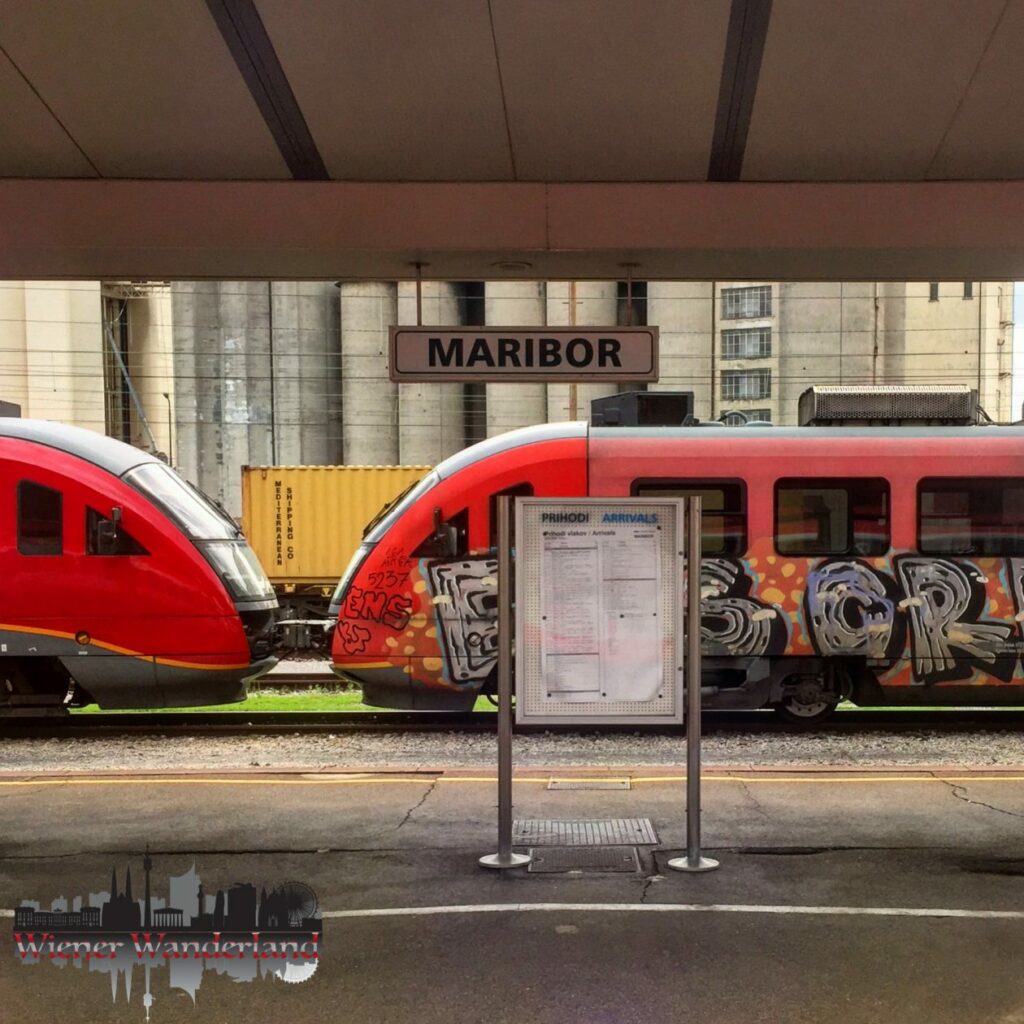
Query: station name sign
{"type": "Point", "coordinates": [510, 354]}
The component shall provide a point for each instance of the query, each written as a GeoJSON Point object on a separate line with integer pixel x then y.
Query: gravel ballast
{"type": "Point", "coordinates": [375, 750]}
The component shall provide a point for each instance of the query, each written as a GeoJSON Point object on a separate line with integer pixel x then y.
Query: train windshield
{"type": "Point", "coordinates": [197, 515]}
{"type": "Point", "coordinates": [383, 520]}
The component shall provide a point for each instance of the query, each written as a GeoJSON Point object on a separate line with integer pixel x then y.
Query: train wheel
{"type": "Point", "coordinates": [808, 703]}
{"type": "Point", "coordinates": [798, 713]}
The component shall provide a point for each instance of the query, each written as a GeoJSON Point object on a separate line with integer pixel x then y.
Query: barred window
{"type": "Point", "coordinates": [747, 343]}
{"type": "Point", "coordinates": [746, 384]}
{"type": "Point", "coordinates": [738, 303]}
{"type": "Point", "coordinates": [758, 415]}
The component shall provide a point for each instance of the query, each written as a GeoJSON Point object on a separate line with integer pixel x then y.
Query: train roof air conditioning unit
{"type": "Point", "coordinates": [642, 409]}
{"type": "Point", "coordinates": [889, 405]}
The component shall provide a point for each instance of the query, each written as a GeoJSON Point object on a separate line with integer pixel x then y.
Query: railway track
{"type": "Point", "coordinates": [854, 722]}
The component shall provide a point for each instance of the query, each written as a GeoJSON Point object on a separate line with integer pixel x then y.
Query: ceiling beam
{"type": "Point", "coordinates": [250, 46]}
{"type": "Point", "coordinates": [741, 68]}
{"type": "Point", "coordinates": [289, 230]}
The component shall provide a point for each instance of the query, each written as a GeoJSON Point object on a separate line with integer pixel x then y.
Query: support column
{"type": "Point", "coordinates": [369, 398]}
{"type": "Point", "coordinates": [430, 416]}
{"type": "Point", "coordinates": [596, 305]}
{"type": "Point", "coordinates": [514, 304]}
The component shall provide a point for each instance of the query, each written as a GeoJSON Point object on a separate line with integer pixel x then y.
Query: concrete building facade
{"type": "Point", "coordinates": [217, 375]}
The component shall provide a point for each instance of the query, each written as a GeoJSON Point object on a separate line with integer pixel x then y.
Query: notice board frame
{"type": "Point", "coordinates": [532, 703]}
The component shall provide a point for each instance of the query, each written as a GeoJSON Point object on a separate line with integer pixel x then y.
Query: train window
{"type": "Point", "coordinates": [723, 526]}
{"type": "Point", "coordinates": [971, 516]}
{"type": "Point", "coordinates": [102, 537]}
{"type": "Point", "coordinates": [519, 491]}
{"type": "Point", "coordinates": [450, 541]}
{"type": "Point", "coordinates": [824, 516]}
{"type": "Point", "coordinates": [40, 520]}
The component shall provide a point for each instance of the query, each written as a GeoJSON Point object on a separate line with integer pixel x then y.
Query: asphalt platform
{"type": "Point", "coordinates": [875, 896]}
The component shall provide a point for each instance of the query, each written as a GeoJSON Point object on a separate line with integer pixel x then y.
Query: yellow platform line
{"type": "Point", "coordinates": [491, 780]}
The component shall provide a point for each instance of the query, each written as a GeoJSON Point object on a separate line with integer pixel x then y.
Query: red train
{"type": "Point", "coordinates": [881, 564]}
{"type": "Point", "coordinates": [125, 585]}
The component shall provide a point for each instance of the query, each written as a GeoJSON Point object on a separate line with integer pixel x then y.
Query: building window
{"type": "Point", "coordinates": [758, 415]}
{"type": "Point", "coordinates": [747, 343]}
{"type": "Point", "coordinates": [832, 517]}
{"type": "Point", "coordinates": [968, 289]}
{"type": "Point", "coordinates": [746, 384]}
{"type": "Point", "coordinates": [933, 291]}
{"type": "Point", "coordinates": [741, 303]}
{"type": "Point", "coordinates": [973, 516]}
{"type": "Point", "coordinates": [723, 510]}
{"type": "Point", "coordinates": [40, 520]}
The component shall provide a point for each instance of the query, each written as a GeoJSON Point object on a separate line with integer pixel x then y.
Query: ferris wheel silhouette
{"type": "Point", "coordinates": [299, 901]}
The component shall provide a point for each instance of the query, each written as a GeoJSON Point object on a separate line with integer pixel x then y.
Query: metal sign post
{"type": "Point", "coordinates": [693, 861]}
{"type": "Point", "coordinates": [504, 858]}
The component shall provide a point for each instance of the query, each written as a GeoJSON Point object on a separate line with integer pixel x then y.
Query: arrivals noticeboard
{"type": "Point", "coordinates": [599, 610]}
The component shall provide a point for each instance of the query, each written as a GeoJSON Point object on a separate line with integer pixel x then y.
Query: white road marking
{"type": "Point", "coordinates": [666, 908]}
{"type": "Point", "coordinates": [675, 908]}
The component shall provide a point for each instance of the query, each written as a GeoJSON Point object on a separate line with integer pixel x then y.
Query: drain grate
{"type": "Point", "coordinates": [584, 832]}
{"type": "Point", "coordinates": [588, 784]}
{"type": "Point", "coordinates": [586, 859]}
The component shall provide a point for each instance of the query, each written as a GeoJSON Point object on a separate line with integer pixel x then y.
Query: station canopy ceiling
{"type": "Point", "coordinates": [523, 138]}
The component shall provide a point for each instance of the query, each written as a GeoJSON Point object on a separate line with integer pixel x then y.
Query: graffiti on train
{"type": "Point", "coordinates": [465, 599]}
{"type": "Point", "coordinates": [932, 611]}
{"type": "Point", "coordinates": [391, 610]}
{"type": "Point", "coordinates": [733, 622]}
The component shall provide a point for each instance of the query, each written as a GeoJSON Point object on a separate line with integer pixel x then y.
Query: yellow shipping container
{"type": "Point", "coordinates": [305, 522]}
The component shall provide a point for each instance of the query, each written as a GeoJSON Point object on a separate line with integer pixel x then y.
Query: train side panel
{"type": "Point", "coordinates": [925, 629]}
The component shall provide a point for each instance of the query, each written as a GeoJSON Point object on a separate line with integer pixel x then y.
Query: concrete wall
{"type": "Point", "coordinates": [430, 416]}
{"type": "Point", "coordinates": [685, 312]}
{"type": "Point", "coordinates": [257, 372]}
{"type": "Point", "coordinates": [584, 304]}
{"type": "Point", "coordinates": [51, 350]}
{"type": "Point", "coordinates": [513, 304]}
{"type": "Point", "coordinates": [306, 364]}
{"type": "Point", "coordinates": [223, 412]}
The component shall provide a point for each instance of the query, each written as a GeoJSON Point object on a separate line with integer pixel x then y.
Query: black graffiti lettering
{"type": "Point", "coordinates": [376, 606]}
{"type": "Point", "coordinates": [354, 638]}
{"type": "Point", "coordinates": [732, 622]}
{"type": "Point", "coordinates": [852, 609]}
{"type": "Point", "coordinates": [398, 612]}
{"type": "Point", "coordinates": [944, 602]}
